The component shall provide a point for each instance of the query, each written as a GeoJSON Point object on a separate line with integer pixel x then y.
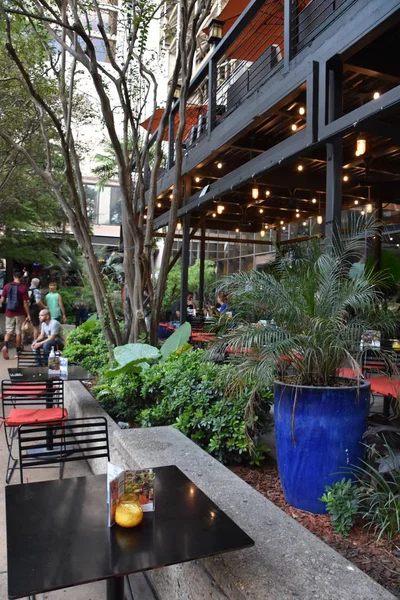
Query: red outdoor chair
{"type": "Point", "coordinates": [30, 403]}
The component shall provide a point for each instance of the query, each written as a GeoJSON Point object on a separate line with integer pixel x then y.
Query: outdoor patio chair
{"type": "Point", "coordinates": [26, 359]}
{"type": "Point", "coordinates": [30, 403]}
{"type": "Point", "coordinates": [75, 439]}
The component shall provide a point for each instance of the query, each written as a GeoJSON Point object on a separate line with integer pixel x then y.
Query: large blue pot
{"type": "Point", "coordinates": [328, 425]}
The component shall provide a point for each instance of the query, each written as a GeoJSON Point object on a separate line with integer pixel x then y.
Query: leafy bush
{"type": "Point", "coordinates": [380, 493]}
{"type": "Point", "coordinates": [342, 503]}
{"type": "Point", "coordinates": [120, 396]}
{"type": "Point", "coordinates": [184, 392]}
{"type": "Point", "coordinates": [86, 346]}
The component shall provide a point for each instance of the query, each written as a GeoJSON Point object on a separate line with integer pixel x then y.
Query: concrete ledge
{"type": "Point", "coordinates": [287, 561]}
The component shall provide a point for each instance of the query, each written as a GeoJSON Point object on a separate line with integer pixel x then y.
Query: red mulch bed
{"type": "Point", "coordinates": [381, 561]}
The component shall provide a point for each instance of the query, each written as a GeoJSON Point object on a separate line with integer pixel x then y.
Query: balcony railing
{"type": "Point", "coordinates": [264, 39]}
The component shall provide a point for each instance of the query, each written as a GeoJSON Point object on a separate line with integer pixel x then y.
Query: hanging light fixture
{"type": "Point", "coordinates": [356, 202]}
{"type": "Point", "coordinates": [297, 215]}
{"type": "Point", "coordinates": [219, 165]}
{"type": "Point", "coordinates": [283, 228]}
{"type": "Point", "coordinates": [320, 219]}
{"type": "Point", "coordinates": [361, 147]}
{"type": "Point", "coordinates": [294, 127]}
{"type": "Point", "coordinates": [214, 215]}
{"type": "Point", "coordinates": [177, 92]}
{"type": "Point", "coordinates": [254, 192]}
{"type": "Point", "coordinates": [237, 229]}
{"type": "Point", "coordinates": [302, 111]}
{"type": "Point", "coordinates": [267, 193]}
{"type": "Point", "coordinates": [220, 209]}
{"type": "Point", "coordinates": [362, 213]}
{"type": "Point", "coordinates": [262, 233]}
{"type": "Point", "coordinates": [197, 179]}
{"type": "Point", "coordinates": [300, 168]}
{"type": "Point", "coordinates": [215, 28]}
{"type": "Point", "coordinates": [266, 226]}
{"type": "Point", "coordinates": [261, 210]}
{"type": "Point", "coordinates": [179, 225]}
{"type": "Point", "coordinates": [314, 201]}
{"type": "Point", "coordinates": [304, 223]}
{"type": "Point", "coordinates": [159, 205]}
{"type": "Point", "coordinates": [282, 222]}
{"type": "Point", "coordinates": [368, 208]}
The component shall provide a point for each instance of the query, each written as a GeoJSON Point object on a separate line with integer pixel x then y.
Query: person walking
{"type": "Point", "coordinates": [55, 304]}
{"type": "Point", "coordinates": [35, 305]}
{"type": "Point", "coordinates": [17, 309]}
{"type": "Point", "coordinates": [50, 337]}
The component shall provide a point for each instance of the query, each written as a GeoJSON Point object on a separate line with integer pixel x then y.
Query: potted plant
{"type": "Point", "coordinates": [296, 326]}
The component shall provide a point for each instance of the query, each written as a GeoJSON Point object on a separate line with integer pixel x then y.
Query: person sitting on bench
{"type": "Point", "coordinates": [49, 337]}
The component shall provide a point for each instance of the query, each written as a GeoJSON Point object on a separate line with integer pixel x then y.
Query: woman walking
{"type": "Point", "coordinates": [55, 304]}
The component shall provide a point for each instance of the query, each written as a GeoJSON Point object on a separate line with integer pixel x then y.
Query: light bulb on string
{"type": "Point", "coordinates": [220, 209]}
{"type": "Point", "coordinates": [320, 219]}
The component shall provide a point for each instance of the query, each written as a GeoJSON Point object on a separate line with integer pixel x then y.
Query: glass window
{"type": "Point", "coordinates": [92, 201]}
{"type": "Point", "coordinates": [100, 49]}
{"type": "Point", "coordinates": [115, 206]}
{"type": "Point", "coordinates": [109, 21]}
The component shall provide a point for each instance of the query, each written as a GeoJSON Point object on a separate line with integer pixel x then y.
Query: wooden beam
{"type": "Point", "coordinates": [371, 73]}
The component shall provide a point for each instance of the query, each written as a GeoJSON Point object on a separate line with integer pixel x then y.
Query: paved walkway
{"type": "Point", "coordinates": [92, 591]}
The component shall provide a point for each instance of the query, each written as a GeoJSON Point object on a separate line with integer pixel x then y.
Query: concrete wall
{"type": "Point", "coordinates": [287, 560]}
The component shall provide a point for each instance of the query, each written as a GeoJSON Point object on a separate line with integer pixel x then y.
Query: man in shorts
{"type": "Point", "coordinates": [35, 306]}
{"type": "Point", "coordinates": [15, 317]}
{"type": "Point", "coordinates": [50, 337]}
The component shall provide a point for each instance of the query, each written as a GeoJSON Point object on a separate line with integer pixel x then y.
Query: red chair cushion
{"type": "Point", "coordinates": [25, 390]}
{"type": "Point", "coordinates": [27, 416]}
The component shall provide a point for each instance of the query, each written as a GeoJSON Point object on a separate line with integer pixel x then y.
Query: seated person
{"type": "Point", "coordinates": [176, 310]}
{"type": "Point", "coordinates": [223, 302]}
{"type": "Point", "coordinates": [49, 337]}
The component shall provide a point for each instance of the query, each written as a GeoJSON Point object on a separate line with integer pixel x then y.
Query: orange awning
{"type": "Point", "coordinates": [264, 30]}
{"type": "Point", "coordinates": [193, 112]}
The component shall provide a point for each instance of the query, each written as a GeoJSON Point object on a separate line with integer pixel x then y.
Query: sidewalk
{"type": "Point", "coordinates": [92, 591]}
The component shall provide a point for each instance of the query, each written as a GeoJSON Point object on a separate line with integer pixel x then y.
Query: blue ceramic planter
{"type": "Point", "coordinates": [329, 423]}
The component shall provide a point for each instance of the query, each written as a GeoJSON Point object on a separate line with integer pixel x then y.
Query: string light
{"type": "Point", "coordinates": [294, 127]}
{"type": "Point", "coordinates": [314, 201]}
{"type": "Point", "coordinates": [300, 168]}
{"type": "Point", "coordinates": [254, 193]}
{"type": "Point", "coordinates": [220, 209]}
{"type": "Point", "coordinates": [297, 210]}
{"type": "Point", "coordinates": [346, 178]}
{"type": "Point", "coordinates": [171, 196]}
{"type": "Point", "coordinates": [159, 205]}
{"type": "Point", "coordinates": [319, 219]}
{"type": "Point", "coordinates": [261, 210]}
{"type": "Point", "coordinates": [302, 111]}
{"type": "Point", "coordinates": [262, 233]}
{"type": "Point", "coordinates": [297, 215]}
{"type": "Point", "coordinates": [219, 165]}
{"type": "Point", "coordinates": [197, 179]}
{"type": "Point", "coordinates": [237, 230]}
{"type": "Point", "coordinates": [376, 95]}
{"type": "Point", "coordinates": [266, 226]}
{"type": "Point", "coordinates": [283, 228]}
{"type": "Point", "coordinates": [361, 146]}
{"type": "Point", "coordinates": [356, 202]}
{"type": "Point", "coordinates": [391, 239]}
{"type": "Point", "coordinates": [362, 213]}
{"type": "Point", "coordinates": [267, 193]}
{"type": "Point", "coordinates": [179, 225]}
{"type": "Point", "coordinates": [145, 217]}
{"type": "Point", "coordinates": [304, 223]}
{"type": "Point", "coordinates": [214, 215]}
{"type": "Point", "coordinates": [282, 222]}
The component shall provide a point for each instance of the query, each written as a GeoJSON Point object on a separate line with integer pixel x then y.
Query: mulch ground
{"type": "Point", "coordinates": [381, 561]}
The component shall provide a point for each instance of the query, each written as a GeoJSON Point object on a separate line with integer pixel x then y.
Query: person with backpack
{"type": "Point", "coordinates": [17, 310]}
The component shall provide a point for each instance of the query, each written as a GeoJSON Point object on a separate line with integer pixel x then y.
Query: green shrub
{"type": "Point", "coordinates": [184, 392]}
{"type": "Point", "coordinates": [342, 503]}
{"type": "Point", "coordinates": [86, 346]}
{"type": "Point", "coordinates": [120, 396]}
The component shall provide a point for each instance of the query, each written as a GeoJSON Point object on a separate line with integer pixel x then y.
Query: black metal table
{"type": "Point", "coordinates": [75, 373]}
{"type": "Point", "coordinates": [57, 533]}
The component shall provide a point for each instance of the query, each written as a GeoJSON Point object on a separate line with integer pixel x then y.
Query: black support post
{"type": "Point", "coordinates": [288, 22]}
{"type": "Point", "coordinates": [378, 238]}
{"type": "Point", "coordinates": [202, 264]}
{"type": "Point", "coordinates": [334, 154]}
{"type": "Point", "coordinates": [212, 95]}
{"type": "Point", "coordinates": [187, 190]}
{"type": "Point", "coordinates": [171, 139]}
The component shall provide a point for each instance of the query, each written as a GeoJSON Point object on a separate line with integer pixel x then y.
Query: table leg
{"type": "Point", "coordinates": [115, 588]}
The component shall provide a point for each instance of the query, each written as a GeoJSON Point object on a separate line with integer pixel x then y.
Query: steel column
{"type": "Point", "coordinates": [185, 252]}
{"type": "Point", "coordinates": [334, 154]}
{"type": "Point", "coordinates": [378, 238]}
{"type": "Point", "coordinates": [202, 265]}
{"type": "Point", "coordinates": [288, 17]}
{"type": "Point", "coordinates": [212, 95]}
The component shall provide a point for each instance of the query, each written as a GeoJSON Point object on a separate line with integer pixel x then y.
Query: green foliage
{"type": "Point", "coordinates": [380, 493]}
{"type": "Point", "coordinates": [132, 358]}
{"type": "Point", "coordinates": [179, 338]}
{"type": "Point", "coordinates": [390, 264]}
{"type": "Point", "coordinates": [342, 503]}
{"type": "Point", "coordinates": [86, 346]}
{"type": "Point", "coordinates": [173, 288]}
{"type": "Point", "coordinates": [307, 310]}
{"type": "Point", "coordinates": [120, 396]}
{"type": "Point", "coordinates": [183, 391]}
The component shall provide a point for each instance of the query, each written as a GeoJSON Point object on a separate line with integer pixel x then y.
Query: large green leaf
{"type": "Point", "coordinates": [176, 340]}
{"type": "Point", "coordinates": [135, 353]}
{"type": "Point", "coordinates": [132, 367]}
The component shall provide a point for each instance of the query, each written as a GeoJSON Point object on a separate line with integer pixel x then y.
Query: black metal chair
{"type": "Point", "coordinates": [75, 439]}
{"type": "Point", "coordinates": [30, 403]}
{"type": "Point", "coordinates": [26, 359]}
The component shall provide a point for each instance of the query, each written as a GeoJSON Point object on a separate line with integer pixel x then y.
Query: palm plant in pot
{"type": "Point", "coordinates": [297, 325]}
